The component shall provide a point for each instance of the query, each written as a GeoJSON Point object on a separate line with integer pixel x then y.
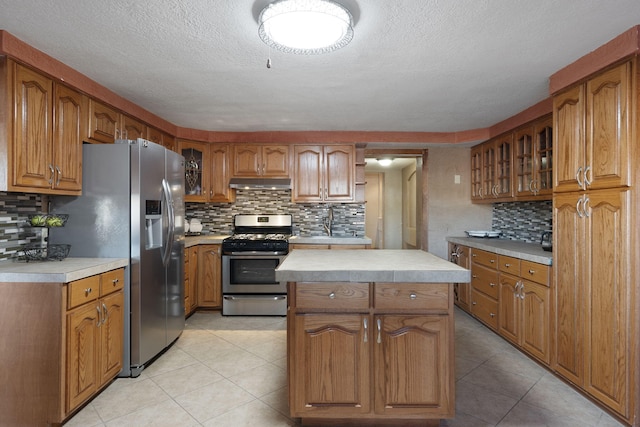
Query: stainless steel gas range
{"type": "Point", "coordinates": [249, 260]}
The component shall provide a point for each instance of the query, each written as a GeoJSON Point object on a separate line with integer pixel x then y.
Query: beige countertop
{"type": "Point", "coordinates": [330, 240]}
{"type": "Point", "coordinates": [528, 251]}
{"type": "Point", "coordinates": [64, 271]}
{"type": "Point", "coordinates": [369, 265]}
{"type": "Point", "coordinates": [204, 239]}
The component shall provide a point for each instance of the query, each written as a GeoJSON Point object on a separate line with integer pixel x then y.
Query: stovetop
{"type": "Point", "coordinates": [259, 233]}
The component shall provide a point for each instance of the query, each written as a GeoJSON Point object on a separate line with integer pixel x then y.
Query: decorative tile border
{"type": "Point", "coordinates": [14, 231]}
{"type": "Point", "coordinates": [522, 221]}
{"type": "Point", "coordinates": [307, 218]}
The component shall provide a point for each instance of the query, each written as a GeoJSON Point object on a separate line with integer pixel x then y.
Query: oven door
{"type": "Point", "coordinates": [251, 274]}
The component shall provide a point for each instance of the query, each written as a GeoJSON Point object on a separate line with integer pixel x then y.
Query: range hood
{"type": "Point", "coordinates": [261, 183]}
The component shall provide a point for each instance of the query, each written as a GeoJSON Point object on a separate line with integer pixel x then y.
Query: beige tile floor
{"type": "Point", "coordinates": [230, 371]}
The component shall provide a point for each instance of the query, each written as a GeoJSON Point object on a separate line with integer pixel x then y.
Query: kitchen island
{"type": "Point", "coordinates": [370, 336]}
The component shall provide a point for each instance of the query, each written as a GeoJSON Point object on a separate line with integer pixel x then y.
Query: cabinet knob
{"type": "Point", "coordinates": [492, 261]}
{"type": "Point", "coordinates": [332, 295]}
{"type": "Point", "coordinates": [413, 296]}
{"type": "Point", "coordinates": [532, 271]}
{"type": "Point", "coordinates": [87, 292]}
{"type": "Point", "coordinates": [474, 276]}
{"type": "Point", "coordinates": [506, 264]}
{"type": "Point", "coordinates": [492, 314]}
{"type": "Point", "coordinates": [473, 303]}
{"type": "Point", "coordinates": [492, 284]}
{"type": "Point", "coordinates": [115, 281]}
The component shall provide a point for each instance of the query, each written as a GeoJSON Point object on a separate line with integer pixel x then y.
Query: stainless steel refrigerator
{"type": "Point", "coordinates": [132, 206]}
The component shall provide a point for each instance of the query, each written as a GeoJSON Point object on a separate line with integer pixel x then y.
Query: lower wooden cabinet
{"type": "Point", "coordinates": [349, 354]}
{"type": "Point", "coordinates": [190, 280]}
{"type": "Point", "coordinates": [94, 335]}
{"type": "Point", "coordinates": [209, 276]}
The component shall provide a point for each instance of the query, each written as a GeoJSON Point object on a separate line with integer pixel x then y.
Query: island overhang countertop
{"type": "Point", "coordinates": [369, 265]}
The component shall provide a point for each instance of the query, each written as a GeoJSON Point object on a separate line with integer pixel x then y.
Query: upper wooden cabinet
{"type": "Point", "coordinates": [514, 166]}
{"type": "Point", "coordinates": [44, 136]}
{"type": "Point", "coordinates": [132, 128]}
{"type": "Point", "coordinates": [323, 173]}
{"type": "Point", "coordinates": [261, 161]}
{"type": "Point", "coordinates": [533, 160]}
{"type": "Point", "coordinates": [160, 137]}
{"type": "Point", "coordinates": [104, 123]}
{"type": "Point", "coordinates": [207, 171]}
{"type": "Point", "coordinates": [592, 121]}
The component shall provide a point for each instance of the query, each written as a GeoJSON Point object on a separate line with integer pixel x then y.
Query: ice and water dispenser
{"type": "Point", "coordinates": [153, 224]}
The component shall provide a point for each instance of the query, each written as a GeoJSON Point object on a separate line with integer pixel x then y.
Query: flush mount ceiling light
{"type": "Point", "coordinates": [305, 27]}
{"type": "Point", "coordinates": [385, 162]}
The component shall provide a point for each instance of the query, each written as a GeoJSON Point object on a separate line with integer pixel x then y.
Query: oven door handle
{"type": "Point", "coordinates": [254, 253]}
{"type": "Point", "coordinates": [269, 297]}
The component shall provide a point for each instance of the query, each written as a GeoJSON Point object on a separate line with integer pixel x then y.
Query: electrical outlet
{"type": "Point", "coordinates": [456, 179]}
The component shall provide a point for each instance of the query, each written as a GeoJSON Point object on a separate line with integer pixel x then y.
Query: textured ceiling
{"type": "Point", "coordinates": [413, 65]}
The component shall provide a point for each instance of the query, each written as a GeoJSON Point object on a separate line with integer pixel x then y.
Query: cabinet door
{"type": "Point", "coordinates": [568, 133]}
{"type": "Point", "coordinates": [246, 160]}
{"type": "Point", "coordinates": [193, 278]}
{"type": "Point", "coordinates": [476, 173]}
{"type": "Point", "coordinates": [339, 175]}
{"type": "Point", "coordinates": [509, 308]}
{"type": "Point", "coordinates": [488, 170]}
{"type": "Point", "coordinates": [83, 341]}
{"type": "Point", "coordinates": [196, 156]}
{"type": "Point", "coordinates": [32, 156]}
{"type": "Point", "coordinates": [543, 157]}
{"type": "Point", "coordinates": [534, 319]}
{"type": "Point", "coordinates": [412, 370]}
{"type": "Point", "coordinates": [68, 133]}
{"type": "Point", "coordinates": [220, 173]}
{"type": "Point", "coordinates": [330, 365]}
{"type": "Point", "coordinates": [111, 336]}
{"type": "Point", "coordinates": [607, 135]}
{"type": "Point", "coordinates": [504, 167]}
{"type": "Point", "coordinates": [275, 161]}
{"type": "Point", "coordinates": [209, 276]}
{"type": "Point", "coordinates": [525, 151]}
{"type": "Point", "coordinates": [607, 250]}
{"type": "Point", "coordinates": [568, 261]}
{"type": "Point", "coordinates": [307, 174]}
{"type": "Point", "coordinates": [132, 128]}
{"type": "Point", "coordinates": [104, 123]}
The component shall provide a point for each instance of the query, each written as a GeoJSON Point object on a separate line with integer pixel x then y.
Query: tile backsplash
{"type": "Point", "coordinates": [14, 231]}
{"type": "Point", "coordinates": [522, 221]}
{"type": "Point", "coordinates": [307, 217]}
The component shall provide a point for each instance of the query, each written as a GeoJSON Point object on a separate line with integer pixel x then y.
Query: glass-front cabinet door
{"type": "Point", "coordinates": [503, 188]}
{"type": "Point", "coordinates": [195, 180]}
{"type": "Point", "coordinates": [543, 166]}
{"type": "Point", "coordinates": [524, 161]}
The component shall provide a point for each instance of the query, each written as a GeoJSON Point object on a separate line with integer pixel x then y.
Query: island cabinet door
{"type": "Point", "coordinates": [413, 365]}
{"type": "Point", "coordinates": [330, 363]}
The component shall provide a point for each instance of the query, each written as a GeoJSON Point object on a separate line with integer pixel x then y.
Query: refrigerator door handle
{"type": "Point", "coordinates": [166, 192]}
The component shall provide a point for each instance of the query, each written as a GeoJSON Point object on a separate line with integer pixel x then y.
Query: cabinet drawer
{"type": "Point", "coordinates": [332, 296]}
{"type": "Point", "coordinates": [509, 264]}
{"type": "Point", "coordinates": [484, 308]}
{"type": "Point", "coordinates": [485, 280]}
{"type": "Point", "coordinates": [83, 290]}
{"type": "Point", "coordinates": [112, 281]}
{"type": "Point", "coordinates": [411, 296]}
{"type": "Point", "coordinates": [485, 258]}
{"type": "Point", "coordinates": [535, 272]}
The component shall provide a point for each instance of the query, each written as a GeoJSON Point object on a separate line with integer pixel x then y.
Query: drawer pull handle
{"type": "Point", "coordinates": [474, 276]}
{"type": "Point", "coordinates": [379, 322]}
{"type": "Point", "coordinates": [492, 284]}
{"type": "Point", "coordinates": [473, 255]}
{"type": "Point", "coordinates": [492, 314]}
{"type": "Point", "coordinates": [473, 303]}
{"type": "Point", "coordinates": [365, 323]}
{"type": "Point", "coordinates": [532, 271]}
{"type": "Point", "coordinates": [506, 264]}
{"type": "Point", "coordinates": [332, 295]}
{"type": "Point", "coordinates": [115, 281]}
{"type": "Point", "coordinates": [99, 318]}
{"type": "Point", "coordinates": [492, 261]}
{"type": "Point", "coordinates": [413, 296]}
{"type": "Point", "coordinates": [87, 292]}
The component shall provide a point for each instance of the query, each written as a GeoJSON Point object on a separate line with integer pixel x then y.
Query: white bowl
{"type": "Point", "coordinates": [186, 226]}
{"type": "Point", "coordinates": [195, 227]}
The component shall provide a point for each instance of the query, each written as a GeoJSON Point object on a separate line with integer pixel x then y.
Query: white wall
{"type": "Point", "coordinates": [393, 209]}
{"type": "Point", "coordinates": [450, 209]}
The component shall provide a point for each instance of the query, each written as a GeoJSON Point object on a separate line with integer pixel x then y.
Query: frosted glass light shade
{"type": "Point", "coordinates": [305, 27]}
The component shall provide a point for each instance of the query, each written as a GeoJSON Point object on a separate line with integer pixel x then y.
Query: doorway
{"type": "Point", "coordinates": [393, 194]}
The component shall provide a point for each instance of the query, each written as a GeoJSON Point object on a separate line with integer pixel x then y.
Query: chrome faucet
{"type": "Point", "coordinates": [328, 222]}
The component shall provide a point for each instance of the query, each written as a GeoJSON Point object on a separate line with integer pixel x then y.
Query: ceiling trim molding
{"type": "Point", "coordinates": [624, 45]}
